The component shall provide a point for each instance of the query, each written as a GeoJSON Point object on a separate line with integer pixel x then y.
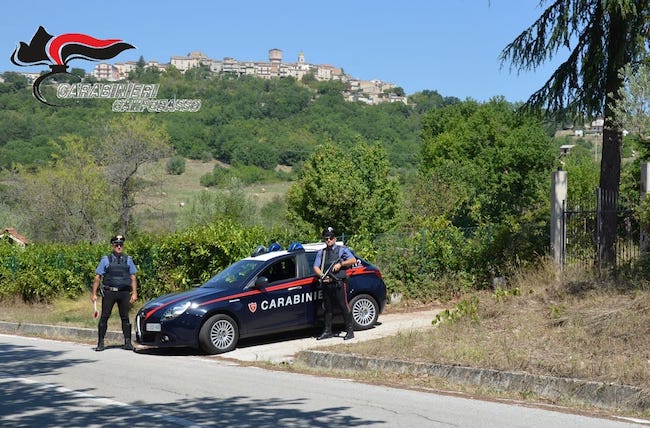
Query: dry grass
{"type": "Point", "coordinates": [549, 326]}
{"type": "Point", "coordinates": [65, 312]}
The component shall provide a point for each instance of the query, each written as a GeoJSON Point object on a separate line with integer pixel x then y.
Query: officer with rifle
{"type": "Point", "coordinates": [330, 266]}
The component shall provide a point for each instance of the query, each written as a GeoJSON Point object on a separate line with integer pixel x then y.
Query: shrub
{"type": "Point", "coordinates": [176, 165]}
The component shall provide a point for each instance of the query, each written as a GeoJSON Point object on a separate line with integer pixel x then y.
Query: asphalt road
{"type": "Point", "coordinates": [50, 383]}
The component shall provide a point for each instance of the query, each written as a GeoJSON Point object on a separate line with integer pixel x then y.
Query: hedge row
{"type": "Point", "coordinates": [42, 272]}
{"type": "Point", "coordinates": [422, 265]}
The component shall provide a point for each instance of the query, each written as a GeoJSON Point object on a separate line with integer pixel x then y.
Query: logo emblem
{"type": "Point", "coordinates": [56, 51]}
{"type": "Point", "coordinates": [252, 307]}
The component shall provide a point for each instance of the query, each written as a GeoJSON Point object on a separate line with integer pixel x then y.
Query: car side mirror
{"type": "Point", "coordinates": [261, 282]}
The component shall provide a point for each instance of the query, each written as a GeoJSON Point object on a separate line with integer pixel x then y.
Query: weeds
{"type": "Point", "coordinates": [544, 324]}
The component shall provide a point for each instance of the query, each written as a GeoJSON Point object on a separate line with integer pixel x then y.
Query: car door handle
{"type": "Point", "coordinates": [233, 300]}
{"type": "Point", "coordinates": [295, 288]}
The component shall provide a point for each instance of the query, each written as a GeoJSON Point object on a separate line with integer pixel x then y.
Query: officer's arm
{"type": "Point", "coordinates": [95, 287]}
{"type": "Point", "coordinates": [101, 267]}
{"type": "Point", "coordinates": [134, 288]}
{"type": "Point", "coordinates": [317, 263]}
{"type": "Point", "coordinates": [134, 281]}
{"type": "Point", "coordinates": [348, 259]}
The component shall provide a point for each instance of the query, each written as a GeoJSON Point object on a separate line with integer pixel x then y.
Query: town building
{"type": "Point", "coordinates": [367, 91]}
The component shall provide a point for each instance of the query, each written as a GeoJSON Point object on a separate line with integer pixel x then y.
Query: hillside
{"type": "Point", "coordinates": [160, 204]}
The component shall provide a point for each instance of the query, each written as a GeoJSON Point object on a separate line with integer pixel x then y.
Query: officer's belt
{"type": "Point", "coordinates": [117, 289]}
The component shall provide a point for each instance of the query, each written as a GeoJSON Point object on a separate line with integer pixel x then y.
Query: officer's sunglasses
{"type": "Point", "coordinates": [329, 238]}
{"type": "Point", "coordinates": [117, 245]}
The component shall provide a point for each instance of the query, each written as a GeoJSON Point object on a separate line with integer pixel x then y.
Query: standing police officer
{"type": "Point", "coordinates": [117, 271]}
{"type": "Point", "coordinates": [330, 265]}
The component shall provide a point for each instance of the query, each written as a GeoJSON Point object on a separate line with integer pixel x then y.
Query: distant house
{"type": "Point", "coordinates": [9, 233]}
{"type": "Point", "coordinates": [566, 148]}
{"type": "Point", "coordinates": [597, 125]}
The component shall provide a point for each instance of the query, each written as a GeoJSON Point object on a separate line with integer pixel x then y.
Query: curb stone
{"type": "Point", "coordinates": [598, 394]}
{"type": "Point", "coordinates": [54, 331]}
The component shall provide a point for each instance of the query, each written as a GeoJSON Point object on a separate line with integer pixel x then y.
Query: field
{"type": "Point", "coordinates": [169, 195]}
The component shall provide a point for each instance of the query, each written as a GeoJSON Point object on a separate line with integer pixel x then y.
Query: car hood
{"type": "Point", "coordinates": [196, 295]}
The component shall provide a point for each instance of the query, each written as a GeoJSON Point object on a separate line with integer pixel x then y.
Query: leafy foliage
{"type": "Point", "coordinates": [491, 160]}
{"type": "Point", "coordinates": [66, 201]}
{"type": "Point", "coordinates": [247, 120]}
{"type": "Point", "coordinates": [176, 165]}
{"type": "Point", "coordinates": [350, 189]}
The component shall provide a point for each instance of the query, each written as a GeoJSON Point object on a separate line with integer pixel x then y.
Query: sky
{"type": "Point", "coordinates": [450, 46]}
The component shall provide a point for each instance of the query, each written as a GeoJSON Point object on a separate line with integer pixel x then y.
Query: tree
{"type": "Point", "coordinates": [633, 109]}
{"type": "Point", "coordinates": [485, 158]}
{"type": "Point", "coordinates": [127, 143]}
{"type": "Point", "coordinates": [607, 35]}
{"type": "Point", "coordinates": [66, 201]}
{"type": "Point", "coordinates": [350, 189]}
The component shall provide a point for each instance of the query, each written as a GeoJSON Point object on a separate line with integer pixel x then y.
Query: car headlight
{"type": "Point", "coordinates": [175, 311]}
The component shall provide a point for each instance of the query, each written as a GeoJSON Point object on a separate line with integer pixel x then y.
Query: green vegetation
{"type": "Point", "coordinates": [442, 195]}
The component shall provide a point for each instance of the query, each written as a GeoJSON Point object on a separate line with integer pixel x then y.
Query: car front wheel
{"type": "Point", "coordinates": [365, 311]}
{"type": "Point", "coordinates": [219, 334]}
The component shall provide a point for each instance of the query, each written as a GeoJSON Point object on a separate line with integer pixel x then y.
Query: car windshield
{"type": "Point", "coordinates": [233, 274]}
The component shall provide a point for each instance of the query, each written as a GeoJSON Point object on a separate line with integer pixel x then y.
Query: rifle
{"type": "Point", "coordinates": [328, 271]}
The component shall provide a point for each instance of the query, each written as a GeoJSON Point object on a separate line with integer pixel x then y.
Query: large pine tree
{"type": "Point", "coordinates": [602, 36]}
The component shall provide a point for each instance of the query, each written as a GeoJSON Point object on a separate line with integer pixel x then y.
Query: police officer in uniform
{"type": "Point", "coordinates": [119, 285]}
{"type": "Point", "coordinates": [336, 258]}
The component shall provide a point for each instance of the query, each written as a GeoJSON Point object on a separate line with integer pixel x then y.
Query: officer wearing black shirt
{"type": "Point", "coordinates": [120, 286]}
{"type": "Point", "coordinates": [330, 266]}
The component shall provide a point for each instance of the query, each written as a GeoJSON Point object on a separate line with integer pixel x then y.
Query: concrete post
{"type": "Point", "coordinates": [645, 187]}
{"type": "Point", "coordinates": [558, 199]}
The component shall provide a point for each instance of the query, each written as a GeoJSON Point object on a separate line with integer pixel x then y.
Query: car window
{"type": "Point", "coordinates": [281, 270]}
{"type": "Point", "coordinates": [310, 259]}
{"type": "Point", "coordinates": [233, 274]}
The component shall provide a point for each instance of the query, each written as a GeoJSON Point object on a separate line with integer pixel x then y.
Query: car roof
{"type": "Point", "coordinates": [309, 248]}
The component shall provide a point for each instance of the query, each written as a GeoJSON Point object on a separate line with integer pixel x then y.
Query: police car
{"type": "Point", "coordinates": [267, 293]}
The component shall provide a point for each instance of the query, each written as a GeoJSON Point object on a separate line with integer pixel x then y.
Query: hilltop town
{"type": "Point", "coordinates": [367, 91]}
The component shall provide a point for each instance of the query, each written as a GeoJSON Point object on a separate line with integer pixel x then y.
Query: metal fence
{"type": "Point", "coordinates": [582, 224]}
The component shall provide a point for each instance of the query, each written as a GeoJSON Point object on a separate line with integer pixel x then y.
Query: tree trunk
{"type": "Point", "coordinates": [610, 164]}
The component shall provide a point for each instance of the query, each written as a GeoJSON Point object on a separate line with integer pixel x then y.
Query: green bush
{"type": "Point", "coordinates": [176, 165]}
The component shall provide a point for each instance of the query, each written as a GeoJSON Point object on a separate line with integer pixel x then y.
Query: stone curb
{"type": "Point", "coordinates": [55, 331]}
{"type": "Point", "coordinates": [598, 394]}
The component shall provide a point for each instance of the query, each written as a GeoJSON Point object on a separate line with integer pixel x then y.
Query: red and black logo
{"type": "Point", "coordinates": [56, 51]}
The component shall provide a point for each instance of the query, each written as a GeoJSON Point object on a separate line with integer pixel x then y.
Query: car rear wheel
{"type": "Point", "coordinates": [219, 334]}
{"type": "Point", "coordinates": [365, 311]}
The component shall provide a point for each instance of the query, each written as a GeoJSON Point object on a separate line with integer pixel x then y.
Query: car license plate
{"type": "Point", "coordinates": [153, 326]}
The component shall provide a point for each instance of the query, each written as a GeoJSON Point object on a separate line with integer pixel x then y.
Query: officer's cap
{"type": "Point", "coordinates": [117, 239]}
{"type": "Point", "coordinates": [329, 232]}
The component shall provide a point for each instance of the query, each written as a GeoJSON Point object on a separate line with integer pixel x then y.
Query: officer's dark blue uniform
{"type": "Point", "coordinates": [330, 265]}
{"type": "Point", "coordinates": [119, 286]}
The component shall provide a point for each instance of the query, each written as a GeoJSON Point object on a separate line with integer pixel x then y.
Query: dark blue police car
{"type": "Point", "coordinates": [270, 293]}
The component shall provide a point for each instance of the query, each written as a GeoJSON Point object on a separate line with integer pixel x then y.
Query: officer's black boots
{"type": "Point", "coordinates": [126, 330]}
{"type": "Point", "coordinates": [349, 334]}
{"type": "Point", "coordinates": [101, 332]}
{"type": "Point", "coordinates": [327, 333]}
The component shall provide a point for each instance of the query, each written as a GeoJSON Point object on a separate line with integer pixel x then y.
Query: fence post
{"type": "Point", "coordinates": [645, 187]}
{"type": "Point", "coordinates": [558, 198]}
